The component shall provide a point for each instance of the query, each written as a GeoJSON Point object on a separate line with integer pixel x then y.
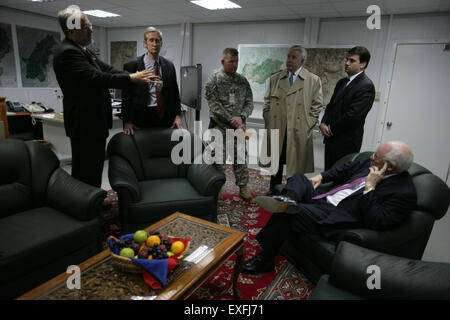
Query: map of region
{"type": "Point", "coordinates": [36, 55]}
{"type": "Point", "coordinates": [258, 62]}
{"type": "Point", "coordinates": [8, 77]}
{"type": "Point", "coordinates": [328, 64]}
{"type": "Point", "coordinates": [121, 52]}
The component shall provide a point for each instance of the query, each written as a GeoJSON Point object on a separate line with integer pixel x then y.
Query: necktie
{"type": "Point", "coordinates": [291, 79]}
{"type": "Point", "coordinates": [345, 186]}
{"type": "Point", "coordinates": [159, 96]}
{"type": "Point", "coordinates": [341, 90]}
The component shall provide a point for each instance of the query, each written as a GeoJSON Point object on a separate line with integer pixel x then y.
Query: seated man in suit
{"type": "Point", "coordinates": [377, 193]}
{"type": "Point", "coordinates": [156, 104]}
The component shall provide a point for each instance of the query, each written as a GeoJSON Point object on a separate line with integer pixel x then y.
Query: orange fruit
{"type": "Point", "coordinates": [152, 240]}
{"type": "Point", "coordinates": [177, 247]}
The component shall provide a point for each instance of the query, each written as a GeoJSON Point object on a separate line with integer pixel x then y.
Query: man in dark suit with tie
{"type": "Point", "coordinates": [84, 81]}
{"type": "Point", "coordinates": [343, 122]}
{"type": "Point", "coordinates": [376, 194]}
{"type": "Point", "coordinates": [156, 104]}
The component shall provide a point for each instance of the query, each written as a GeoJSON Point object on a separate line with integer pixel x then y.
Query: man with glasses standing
{"type": "Point", "coordinates": [85, 81]}
{"type": "Point", "coordinates": [156, 104]}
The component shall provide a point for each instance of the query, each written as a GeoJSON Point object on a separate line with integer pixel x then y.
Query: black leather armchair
{"type": "Point", "coordinates": [353, 277]}
{"type": "Point", "coordinates": [150, 186]}
{"type": "Point", "coordinates": [313, 254]}
{"type": "Point", "coordinates": [48, 220]}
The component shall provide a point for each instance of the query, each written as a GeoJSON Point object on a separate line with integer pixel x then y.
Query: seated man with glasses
{"type": "Point", "coordinates": [377, 194]}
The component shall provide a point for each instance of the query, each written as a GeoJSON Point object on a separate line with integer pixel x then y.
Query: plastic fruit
{"type": "Point", "coordinates": [152, 240]}
{"type": "Point", "coordinates": [127, 252]}
{"type": "Point", "coordinates": [177, 247]}
{"type": "Point", "coordinates": [170, 253]}
{"type": "Point", "coordinates": [140, 236]}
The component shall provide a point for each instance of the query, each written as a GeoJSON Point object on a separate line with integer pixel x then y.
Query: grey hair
{"type": "Point", "coordinates": [153, 29]}
{"type": "Point", "coordinates": [400, 155]}
{"type": "Point", "coordinates": [300, 49]}
{"type": "Point", "coordinates": [72, 11]}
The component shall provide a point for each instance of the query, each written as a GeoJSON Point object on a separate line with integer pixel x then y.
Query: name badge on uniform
{"type": "Point", "coordinates": [232, 99]}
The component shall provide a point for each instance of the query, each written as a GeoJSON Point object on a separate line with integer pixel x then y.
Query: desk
{"type": "Point", "coordinates": [54, 132]}
{"type": "Point", "coordinates": [21, 127]}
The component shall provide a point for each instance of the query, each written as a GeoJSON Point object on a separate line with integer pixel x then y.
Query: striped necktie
{"type": "Point", "coordinates": [345, 186]}
{"type": "Point", "coordinates": [159, 96]}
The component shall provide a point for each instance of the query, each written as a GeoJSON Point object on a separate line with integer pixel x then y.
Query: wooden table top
{"type": "Point", "coordinates": [100, 280]}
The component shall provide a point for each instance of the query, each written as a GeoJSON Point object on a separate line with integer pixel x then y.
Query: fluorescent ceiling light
{"type": "Point", "coordinates": [41, 0]}
{"type": "Point", "coordinates": [216, 4]}
{"type": "Point", "coordinates": [100, 13]}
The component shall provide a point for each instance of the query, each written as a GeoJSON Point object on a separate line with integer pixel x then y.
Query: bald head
{"type": "Point", "coordinates": [397, 154]}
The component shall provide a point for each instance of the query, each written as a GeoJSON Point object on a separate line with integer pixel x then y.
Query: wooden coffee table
{"type": "Point", "coordinates": [101, 280]}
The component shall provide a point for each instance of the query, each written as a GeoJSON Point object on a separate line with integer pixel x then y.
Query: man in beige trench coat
{"type": "Point", "coordinates": [292, 104]}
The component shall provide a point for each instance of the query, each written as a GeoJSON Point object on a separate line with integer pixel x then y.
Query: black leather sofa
{"type": "Point", "coordinates": [48, 220]}
{"type": "Point", "coordinates": [150, 186]}
{"type": "Point", "coordinates": [313, 254]}
{"type": "Point", "coordinates": [358, 273]}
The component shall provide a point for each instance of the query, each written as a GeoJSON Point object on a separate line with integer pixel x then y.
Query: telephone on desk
{"type": "Point", "coordinates": [33, 107]}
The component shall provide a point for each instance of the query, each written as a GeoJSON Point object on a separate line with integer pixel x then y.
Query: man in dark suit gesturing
{"type": "Point", "coordinates": [343, 122]}
{"type": "Point", "coordinates": [375, 194]}
{"type": "Point", "coordinates": [84, 81]}
{"type": "Point", "coordinates": [156, 104]}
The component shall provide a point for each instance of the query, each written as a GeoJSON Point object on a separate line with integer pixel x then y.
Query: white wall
{"type": "Point", "coordinates": [48, 96]}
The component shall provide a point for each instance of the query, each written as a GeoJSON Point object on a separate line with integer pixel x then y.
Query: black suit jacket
{"type": "Point", "coordinates": [135, 98]}
{"type": "Point", "coordinates": [390, 203]}
{"type": "Point", "coordinates": [84, 81]}
{"type": "Point", "coordinates": [346, 114]}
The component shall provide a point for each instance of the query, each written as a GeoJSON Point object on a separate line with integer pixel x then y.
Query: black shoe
{"type": "Point", "coordinates": [258, 265]}
{"type": "Point", "coordinates": [277, 204]}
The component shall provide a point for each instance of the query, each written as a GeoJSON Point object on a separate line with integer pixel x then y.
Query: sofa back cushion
{"type": "Point", "coordinates": [149, 152]}
{"type": "Point", "coordinates": [15, 177]}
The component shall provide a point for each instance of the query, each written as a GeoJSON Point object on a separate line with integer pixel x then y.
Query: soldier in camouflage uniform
{"type": "Point", "coordinates": [230, 101]}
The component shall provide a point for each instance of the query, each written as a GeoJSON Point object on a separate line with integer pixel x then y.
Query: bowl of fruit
{"type": "Point", "coordinates": [131, 251]}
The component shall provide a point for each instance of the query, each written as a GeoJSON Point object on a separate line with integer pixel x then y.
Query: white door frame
{"type": "Point", "coordinates": [381, 119]}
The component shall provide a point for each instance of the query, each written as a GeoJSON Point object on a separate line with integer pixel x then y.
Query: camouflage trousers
{"type": "Point", "coordinates": [240, 169]}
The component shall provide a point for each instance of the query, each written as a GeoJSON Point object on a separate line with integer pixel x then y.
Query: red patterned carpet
{"type": "Point", "coordinates": [284, 283]}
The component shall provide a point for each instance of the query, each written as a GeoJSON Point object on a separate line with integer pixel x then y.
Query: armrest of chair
{"type": "Point", "coordinates": [398, 278]}
{"type": "Point", "coordinates": [73, 197]}
{"type": "Point", "coordinates": [324, 290]}
{"type": "Point", "coordinates": [206, 179]}
{"type": "Point", "coordinates": [416, 225]}
{"type": "Point", "coordinates": [122, 176]}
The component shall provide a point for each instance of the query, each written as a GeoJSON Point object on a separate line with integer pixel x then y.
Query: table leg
{"type": "Point", "coordinates": [240, 255]}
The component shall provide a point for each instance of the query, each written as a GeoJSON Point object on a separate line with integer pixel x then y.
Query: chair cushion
{"type": "Point", "coordinates": [164, 196]}
{"type": "Point", "coordinates": [15, 177]}
{"type": "Point", "coordinates": [34, 238]}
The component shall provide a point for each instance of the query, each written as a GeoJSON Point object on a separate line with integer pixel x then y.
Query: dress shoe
{"type": "Point", "coordinates": [245, 194]}
{"type": "Point", "coordinates": [258, 265]}
{"type": "Point", "coordinates": [281, 204]}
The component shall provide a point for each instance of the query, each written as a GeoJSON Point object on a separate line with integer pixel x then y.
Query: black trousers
{"type": "Point", "coordinates": [148, 118]}
{"type": "Point", "coordinates": [88, 157]}
{"type": "Point", "coordinates": [336, 151]}
{"type": "Point", "coordinates": [278, 177]}
{"type": "Point", "coordinates": [281, 226]}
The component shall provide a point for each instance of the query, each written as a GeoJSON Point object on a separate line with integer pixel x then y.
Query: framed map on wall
{"type": "Point", "coordinates": [8, 76]}
{"type": "Point", "coordinates": [257, 62]}
{"type": "Point", "coordinates": [36, 56]}
{"type": "Point", "coordinates": [121, 52]}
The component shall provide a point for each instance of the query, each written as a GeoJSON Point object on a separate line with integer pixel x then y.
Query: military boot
{"type": "Point", "coordinates": [220, 198]}
{"type": "Point", "coordinates": [244, 194]}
